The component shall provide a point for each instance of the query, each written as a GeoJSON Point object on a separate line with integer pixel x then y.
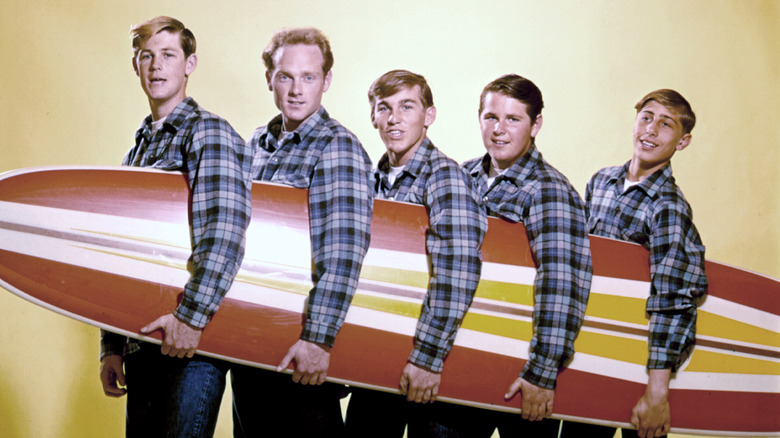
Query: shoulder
{"type": "Point", "coordinates": [472, 164]}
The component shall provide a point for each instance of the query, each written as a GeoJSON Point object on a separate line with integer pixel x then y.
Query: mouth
{"type": "Point", "coordinates": [498, 142]}
{"type": "Point", "coordinates": [395, 133]}
{"type": "Point", "coordinates": [295, 103]}
{"type": "Point", "coordinates": [156, 81]}
{"type": "Point", "coordinates": [647, 144]}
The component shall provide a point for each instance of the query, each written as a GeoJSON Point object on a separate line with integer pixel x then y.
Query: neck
{"type": "Point", "coordinates": [637, 172]}
{"type": "Point", "coordinates": [161, 110]}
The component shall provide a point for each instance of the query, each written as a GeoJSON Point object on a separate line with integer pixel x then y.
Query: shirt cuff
{"type": "Point", "coordinates": [111, 344]}
{"type": "Point", "coordinates": [319, 333]}
{"type": "Point", "coordinates": [539, 375]}
{"type": "Point", "coordinates": [428, 357]}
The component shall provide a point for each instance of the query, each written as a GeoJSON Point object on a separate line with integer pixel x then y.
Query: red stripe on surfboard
{"type": "Point", "coordinates": [239, 330]}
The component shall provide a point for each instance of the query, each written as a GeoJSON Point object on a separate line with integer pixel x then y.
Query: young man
{"type": "Point", "coordinates": [171, 391]}
{"type": "Point", "coordinates": [304, 147]}
{"type": "Point", "coordinates": [517, 184]}
{"type": "Point", "coordinates": [414, 170]}
{"type": "Point", "coordinates": [640, 202]}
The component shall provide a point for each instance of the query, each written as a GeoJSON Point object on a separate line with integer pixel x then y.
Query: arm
{"type": "Point", "coordinates": [556, 231]}
{"type": "Point", "coordinates": [220, 211]}
{"type": "Point", "coordinates": [678, 279]}
{"type": "Point", "coordinates": [651, 415]}
{"type": "Point", "coordinates": [457, 225]}
{"type": "Point", "coordinates": [112, 375]}
{"type": "Point", "coordinates": [340, 205]}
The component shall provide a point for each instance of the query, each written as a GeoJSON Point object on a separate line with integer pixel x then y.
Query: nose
{"type": "Point", "coordinates": [156, 64]}
{"type": "Point", "coordinates": [295, 88]}
{"type": "Point", "coordinates": [651, 129]}
{"type": "Point", "coordinates": [498, 128]}
{"type": "Point", "coordinates": [392, 119]}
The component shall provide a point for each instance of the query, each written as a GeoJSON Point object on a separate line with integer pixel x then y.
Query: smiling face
{"type": "Point", "coordinates": [163, 70]}
{"type": "Point", "coordinates": [402, 122]}
{"type": "Point", "coordinates": [297, 82]}
{"type": "Point", "coordinates": [658, 134]}
{"type": "Point", "coordinates": [507, 130]}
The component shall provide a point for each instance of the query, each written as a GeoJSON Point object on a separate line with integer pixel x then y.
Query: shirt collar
{"type": "Point", "coordinates": [416, 163]}
{"type": "Point", "coordinates": [651, 185]}
{"type": "Point", "coordinates": [174, 120]}
{"type": "Point", "coordinates": [317, 119]}
{"type": "Point", "coordinates": [517, 172]}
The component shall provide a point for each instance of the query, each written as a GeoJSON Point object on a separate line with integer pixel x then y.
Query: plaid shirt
{"type": "Point", "coordinates": [457, 225]}
{"type": "Point", "coordinates": [655, 214]}
{"type": "Point", "coordinates": [324, 157]}
{"type": "Point", "coordinates": [534, 193]}
{"type": "Point", "coordinates": [217, 162]}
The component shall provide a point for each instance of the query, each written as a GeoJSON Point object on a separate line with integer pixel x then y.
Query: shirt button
{"type": "Point", "coordinates": [485, 199]}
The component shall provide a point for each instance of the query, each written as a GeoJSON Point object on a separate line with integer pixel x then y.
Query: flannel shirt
{"type": "Point", "coordinates": [536, 194]}
{"type": "Point", "coordinates": [655, 214]}
{"type": "Point", "coordinates": [326, 158]}
{"type": "Point", "coordinates": [457, 225]}
{"type": "Point", "coordinates": [217, 164]}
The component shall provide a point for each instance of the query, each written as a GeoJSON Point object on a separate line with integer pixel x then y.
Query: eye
{"type": "Point", "coordinates": [309, 78]}
{"type": "Point", "coordinates": [283, 78]}
{"type": "Point", "coordinates": [381, 109]}
{"type": "Point", "coordinates": [407, 107]}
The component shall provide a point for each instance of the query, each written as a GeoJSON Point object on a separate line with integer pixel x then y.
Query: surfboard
{"type": "Point", "coordinates": [108, 246]}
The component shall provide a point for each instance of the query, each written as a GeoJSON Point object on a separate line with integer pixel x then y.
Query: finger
{"type": "Point", "coordinates": [427, 396]}
{"type": "Point", "coordinates": [190, 353]}
{"type": "Point", "coordinates": [321, 378]}
{"type": "Point", "coordinates": [404, 384]}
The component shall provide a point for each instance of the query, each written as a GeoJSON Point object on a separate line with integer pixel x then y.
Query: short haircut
{"type": "Point", "coordinates": [516, 87]}
{"type": "Point", "coordinates": [393, 81]}
{"type": "Point", "coordinates": [304, 35]}
{"type": "Point", "coordinates": [142, 32]}
{"type": "Point", "coordinates": [675, 102]}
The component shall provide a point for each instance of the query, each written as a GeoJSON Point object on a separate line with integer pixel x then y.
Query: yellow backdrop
{"type": "Point", "coordinates": [69, 96]}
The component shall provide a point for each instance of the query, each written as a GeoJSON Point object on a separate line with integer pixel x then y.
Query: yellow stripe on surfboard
{"type": "Point", "coordinates": [709, 324]}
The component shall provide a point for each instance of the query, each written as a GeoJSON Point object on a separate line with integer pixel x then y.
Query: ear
{"type": "Point", "coordinates": [192, 62]}
{"type": "Point", "coordinates": [430, 116]}
{"type": "Point", "coordinates": [326, 83]}
{"type": "Point", "coordinates": [268, 80]}
{"type": "Point", "coordinates": [684, 142]}
{"type": "Point", "coordinates": [135, 67]}
{"type": "Point", "coordinates": [373, 119]}
{"type": "Point", "coordinates": [537, 126]}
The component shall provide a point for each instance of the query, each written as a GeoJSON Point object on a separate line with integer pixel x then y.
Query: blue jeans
{"type": "Point", "coordinates": [270, 404]}
{"type": "Point", "coordinates": [169, 397]}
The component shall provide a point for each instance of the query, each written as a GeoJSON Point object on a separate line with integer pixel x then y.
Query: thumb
{"type": "Point", "coordinates": [152, 326]}
{"type": "Point", "coordinates": [286, 361]}
{"type": "Point", "coordinates": [513, 389]}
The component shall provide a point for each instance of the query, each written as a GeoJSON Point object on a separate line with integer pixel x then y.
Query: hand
{"type": "Point", "coordinates": [311, 362]}
{"type": "Point", "coordinates": [112, 375]}
{"type": "Point", "coordinates": [651, 415]}
{"type": "Point", "coordinates": [179, 339]}
{"type": "Point", "coordinates": [537, 401]}
{"type": "Point", "coordinates": [419, 385]}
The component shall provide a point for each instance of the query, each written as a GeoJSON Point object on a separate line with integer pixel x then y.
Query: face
{"type": "Point", "coordinates": [297, 82]}
{"type": "Point", "coordinates": [658, 135]}
{"type": "Point", "coordinates": [402, 123]}
{"type": "Point", "coordinates": [163, 69]}
{"type": "Point", "coordinates": [507, 130]}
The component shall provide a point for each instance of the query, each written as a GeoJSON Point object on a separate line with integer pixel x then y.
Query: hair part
{"type": "Point", "coordinates": [304, 35]}
{"type": "Point", "coordinates": [394, 81]}
{"type": "Point", "coordinates": [140, 33]}
{"type": "Point", "coordinates": [675, 103]}
{"type": "Point", "coordinates": [516, 87]}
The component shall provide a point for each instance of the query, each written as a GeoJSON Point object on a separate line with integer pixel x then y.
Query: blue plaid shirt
{"type": "Point", "coordinates": [328, 160]}
{"type": "Point", "coordinates": [536, 194]}
{"type": "Point", "coordinates": [655, 214]}
{"type": "Point", "coordinates": [457, 225]}
{"type": "Point", "coordinates": [217, 164]}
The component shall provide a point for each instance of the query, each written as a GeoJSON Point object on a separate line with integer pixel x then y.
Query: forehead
{"type": "Point", "coordinates": [500, 103]}
{"type": "Point", "coordinates": [659, 110]}
{"type": "Point", "coordinates": [404, 93]}
{"type": "Point", "coordinates": [298, 57]}
{"type": "Point", "coordinates": [162, 40]}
